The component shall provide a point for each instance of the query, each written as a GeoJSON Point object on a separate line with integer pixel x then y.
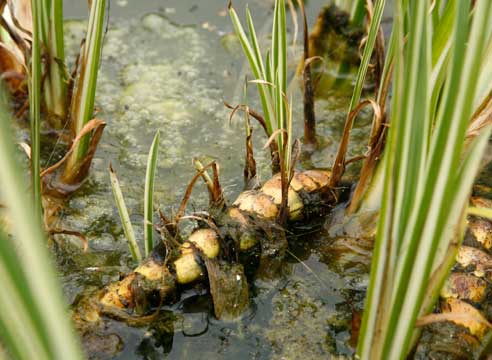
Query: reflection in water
{"type": "Point", "coordinates": [158, 339]}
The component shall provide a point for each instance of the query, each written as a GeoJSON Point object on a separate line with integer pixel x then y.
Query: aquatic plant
{"type": "Point", "coordinates": [18, 19]}
{"type": "Point", "coordinates": [441, 73]}
{"type": "Point", "coordinates": [338, 167]}
{"type": "Point", "coordinates": [271, 79]}
{"type": "Point", "coordinates": [148, 204]}
{"type": "Point", "coordinates": [249, 223]}
{"type": "Point", "coordinates": [24, 22]}
{"type": "Point", "coordinates": [34, 323]}
{"type": "Point", "coordinates": [270, 76]}
{"type": "Point", "coordinates": [33, 36]}
{"type": "Point", "coordinates": [82, 107]}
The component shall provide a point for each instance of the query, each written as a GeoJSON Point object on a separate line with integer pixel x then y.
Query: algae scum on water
{"type": "Point", "coordinates": [157, 75]}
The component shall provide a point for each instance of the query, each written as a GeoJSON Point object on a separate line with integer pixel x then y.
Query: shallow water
{"type": "Point", "coordinates": [168, 65]}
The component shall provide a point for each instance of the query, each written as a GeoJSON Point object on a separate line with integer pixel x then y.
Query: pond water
{"type": "Point", "coordinates": [168, 66]}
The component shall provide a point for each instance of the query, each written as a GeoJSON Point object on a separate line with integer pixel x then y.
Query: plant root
{"type": "Point", "coordinates": [212, 253]}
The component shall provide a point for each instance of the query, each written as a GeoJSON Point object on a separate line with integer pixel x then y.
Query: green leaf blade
{"type": "Point", "coordinates": [124, 217]}
{"type": "Point", "coordinates": [149, 194]}
{"type": "Point", "coordinates": [41, 280]}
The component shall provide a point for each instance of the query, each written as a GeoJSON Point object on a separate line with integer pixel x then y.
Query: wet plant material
{"type": "Point", "coordinates": [245, 231]}
{"type": "Point", "coordinates": [349, 254]}
{"type": "Point", "coordinates": [49, 98]}
{"type": "Point", "coordinates": [228, 287]}
{"type": "Point", "coordinates": [446, 341]}
{"type": "Point", "coordinates": [54, 183]}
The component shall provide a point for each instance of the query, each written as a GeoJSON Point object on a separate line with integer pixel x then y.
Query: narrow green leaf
{"type": "Point", "coordinates": [442, 34]}
{"type": "Point", "coordinates": [149, 194]}
{"type": "Point", "coordinates": [22, 331]}
{"type": "Point", "coordinates": [485, 81]}
{"type": "Point", "coordinates": [279, 68]}
{"type": "Point", "coordinates": [366, 56]}
{"type": "Point", "coordinates": [359, 83]}
{"type": "Point", "coordinates": [266, 102]}
{"type": "Point", "coordinates": [282, 35]}
{"type": "Point", "coordinates": [358, 12]}
{"type": "Point", "coordinates": [431, 211]}
{"type": "Point", "coordinates": [279, 113]}
{"type": "Point", "coordinates": [35, 104]}
{"type": "Point", "coordinates": [41, 279]}
{"type": "Point", "coordinates": [275, 39]}
{"type": "Point", "coordinates": [282, 44]}
{"type": "Point", "coordinates": [243, 39]}
{"type": "Point", "coordinates": [457, 193]}
{"type": "Point", "coordinates": [84, 97]}
{"type": "Point", "coordinates": [124, 217]}
{"type": "Point", "coordinates": [55, 84]}
{"type": "Point", "coordinates": [269, 75]}
{"type": "Point", "coordinates": [453, 232]}
{"type": "Point", "coordinates": [254, 41]}
{"type": "Point", "coordinates": [441, 44]}
{"type": "Point", "coordinates": [406, 261]}
{"type": "Point", "coordinates": [414, 115]}
{"type": "Point", "coordinates": [428, 172]}
{"type": "Point", "coordinates": [370, 343]}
